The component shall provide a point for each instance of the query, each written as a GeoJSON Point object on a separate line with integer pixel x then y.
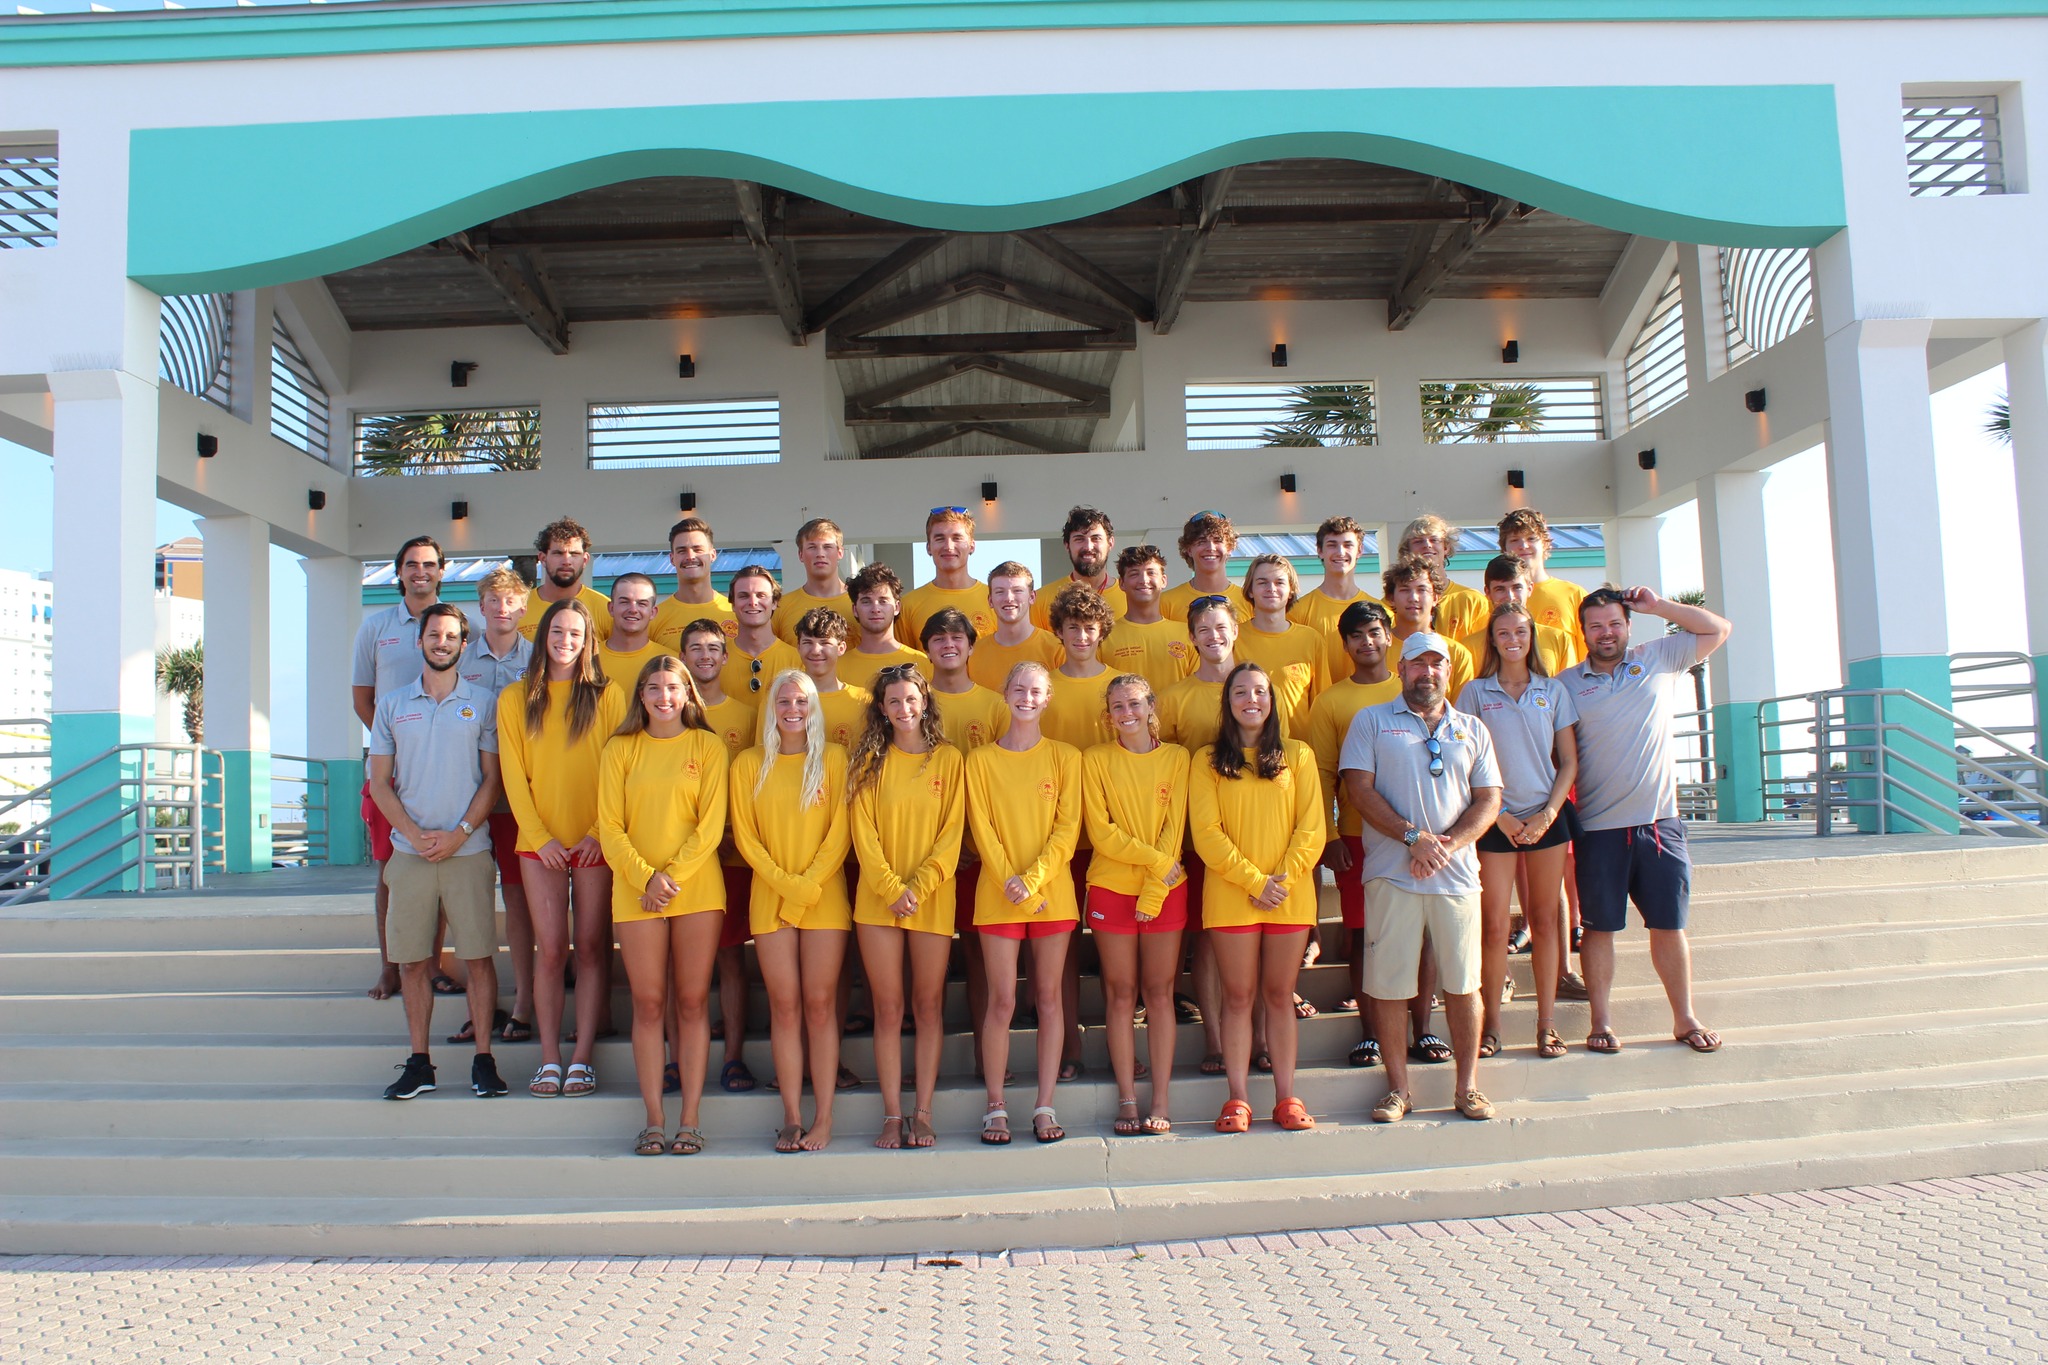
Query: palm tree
{"type": "Point", "coordinates": [181, 672]}
{"type": "Point", "coordinates": [1326, 415]}
{"type": "Point", "coordinates": [1476, 410]}
{"type": "Point", "coordinates": [414, 442]}
{"type": "Point", "coordinates": [1998, 420]}
{"type": "Point", "coordinates": [1693, 597]}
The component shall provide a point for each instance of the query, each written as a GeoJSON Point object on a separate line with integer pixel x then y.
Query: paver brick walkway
{"type": "Point", "coordinates": [1943, 1270]}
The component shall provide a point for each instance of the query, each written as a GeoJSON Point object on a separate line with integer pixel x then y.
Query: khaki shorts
{"type": "Point", "coordinates": [1394, 921]}
{"type": "Point", "coordinates": [421, 892]}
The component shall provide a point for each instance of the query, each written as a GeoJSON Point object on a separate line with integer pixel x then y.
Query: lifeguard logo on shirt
{"type": "Point", "coordinates": [466, 711]}
{"type": "Point", "coordinates": [729, 629]}
{"type": "Point", "coordinates": [1048, 791]}
{"type": "Point", "coordinates": [975, 734]}
{"type": "Point", "coordinates": [1163, 793]}
{"type": "Point", "coordinates": [1181, 650]}
{"type": "Point", "coordinates": [733, 740]}
{"type": "Point", "coordinates": [1542, 703]}
{"type": "Point", "coordinates": [1635, 670]}
{"type": "Point", "coordinates": [984, 624]}
{"type": "Point", "coordinates": [690, 769]}
{"type": "Point", "coordinates": [938, 786]}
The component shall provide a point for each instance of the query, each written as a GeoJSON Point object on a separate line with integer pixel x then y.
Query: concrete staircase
{"type": "Point", "coordinates": [202, 1074]}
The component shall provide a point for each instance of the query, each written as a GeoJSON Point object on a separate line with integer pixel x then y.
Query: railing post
{"type": "Point", "coordinates": [1823, 763]}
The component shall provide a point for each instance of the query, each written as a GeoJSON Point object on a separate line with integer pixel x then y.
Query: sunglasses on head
{"type": "Point", "coordinates": [943, 511]}
{"type": "Point", "coordinates": [1214, 599]}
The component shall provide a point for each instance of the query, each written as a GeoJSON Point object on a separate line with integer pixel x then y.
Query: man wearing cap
{"type": "Point", "coordinates": [1630, 844]}
{"type": "Point", "coordinates": [1424, 779]}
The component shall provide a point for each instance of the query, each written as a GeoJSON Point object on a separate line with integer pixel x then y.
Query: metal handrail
{"type": "Point", "coordinates": [308, 841]}
{"type": "Point", "coordinates": [1698, 798]}
{"type": "Point", "coordinates": [1834, 733]}
{"type": "Point", "coordinates": [180, 847]}
{"type": "Point", "coordinates": [1964, 689]}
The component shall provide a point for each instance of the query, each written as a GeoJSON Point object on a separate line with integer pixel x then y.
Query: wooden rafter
{"type": "Point", "coordinates": [839, 346]}
{"type": "Point", "coordinates": [523, 284]}
{"type": "Point", "coordinates": [857, 290]}
{"type": "Point", "coordinates": [1080, 390]}
{"type": "Point", "coordinates": [979, 412]}
{"type": "Point", "coordinates": [778, 265]}
{"type": "Point", "coordinates": [1088, 272]}
{"type": "Point", "coordinates": [1184, 252]}
{"type": "Point", "coordinates": [1417, 286]}
{"type": "Point", "coordinates": [1023, 436]}
{"type": "Point", "coordinates": [986, 284]}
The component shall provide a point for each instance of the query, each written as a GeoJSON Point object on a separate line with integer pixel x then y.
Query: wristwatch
{"type": "Point", "coordinates": [1412, 837]}
{"type": "Point", "coordinates": [465, 826]}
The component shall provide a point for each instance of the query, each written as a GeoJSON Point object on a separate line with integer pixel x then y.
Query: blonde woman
{"type": "Point", "coordinates": [1135, 804]}
{"type": "Point", "coordinates": [661, 802]}
{"type": "Point", "coordinates": [909, 807]}
{"type": "Point", "coordinates": [789, 821]}
{"type": "Point", "coordinates": [552, 728]}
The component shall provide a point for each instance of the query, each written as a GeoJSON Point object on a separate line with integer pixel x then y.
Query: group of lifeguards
{"type": "Point", "coordinates": [987, 768]}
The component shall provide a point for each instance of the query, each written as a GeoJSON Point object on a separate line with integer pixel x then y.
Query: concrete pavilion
{"type": "Point", "coordinates": [915, 250]}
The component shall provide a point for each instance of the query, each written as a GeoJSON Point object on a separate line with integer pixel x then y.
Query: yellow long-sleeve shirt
{"type": "Point", "coordinates": [736, 721]}
{"type": "Point", "coordinates": [858, 670]}
{"type": "Point", "coordinates": [1191, 713]}
{"type": "Point", "coordinates": [1320, 612]}
{"type": "Point", "coordinates": [922, 604]}
{"type": "Point", "coordinates": [600, 611]}
{"type": "Point", "coordinates": [1461, 612]}
{"type": "Point", "coordinates": [623, 666]}
{"type": "Point", "coordinates": [1555, 603]}
{"type": "Point", "coordinates": [798, 852]}
{"type": "Point", "coordinates": [907, 827]}
{"type": "Point", "coordinates": [972, 718]}
{"type": "Point", "coordinates": [1249, 827]}
{"type": "Point", "coordinates": [1157, 651]}
{"type": "Point", "coordinates": [1297, 660]}
{"type": "Point", "coordinates": [1076, 712]}
{"type": "Point", "coordinates": [1173, 603]}
{"type": "Point", "coordinates": [748, 675]}
{"type": "Point", "coordinates": [796, 602]}
{"type": "Point", "coordinates": [1025, 811]}
{"type": "Point", "coordinates": [1329, 721]}
{"type": "Point", "coordinates": [1136, 808]}
{"type": "Point", "coordinates": [846, 713]}
{"type": "Point", "coordinates": [551, 783]}
{"type": "Point", "coordinates": [672, 617]}
{"type": "Point", "coordinates": [990, 662]}
{"type": "Point", "coordinates": [661, 808]}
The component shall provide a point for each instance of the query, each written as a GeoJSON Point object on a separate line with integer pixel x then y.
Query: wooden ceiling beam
{"type": "Point", "coordinates": [778, 264]}
{"type": "Point", "coordinates": [1033, 440]}
{"type": "Point", "coordinates": [522, 283]}
{"type": "Point", "coordinates": [923, 440]}
{"type": "Point", "coordinates": [1089, 273]}
{"type": "Point", "coordinates": [862, 286]}
{"type": "Point", "coordinates": [839, 346]}
{"type": "Point", "coordinates": [1002, 431]}
{"type": "Point", "coordinates": [1184, 251]}
{"type": "Point", "coordinates": [977, 412]}
{"type": "Point", "coordinates": [982, 284]}
{"type": "Point", "coordinates": [1079, 390]}
{"type": "Point", "coordinates": [1416, 288]}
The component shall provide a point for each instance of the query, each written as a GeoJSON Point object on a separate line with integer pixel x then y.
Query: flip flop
{"type": "Point", "coordinates": [1186, 1011]}
{"type": "Point", "coordinates": [1303, 1009]}
{"type": "Point", "coordinates": [1701, 1040]}
{"type": "Point", "coordinates": [1429, 1048]}
{"type": "Point", "coordinates": [515, 1030]}
{"type": "Point", "coordinates": [846, 1080]}
{"type": "Point", "coordinates": [467, 1033]}
{"type": "Point", "coordinates": [1548, 1043]}
{"type": "Point", "coordinates": [735, 1078]}
{"type": "Point", "coordinates": [1262, 1062]}
{"type": "Point", "coordinates": [787, 1140]}
{"type": "Point", "coordinates": [447, 985]}
{"type": "Point", "coordinates": [1072, 1071]}
{"type": "Point", "coordinates": [1603, 1042]}
{"type": "Point", "coordinates": [1212, 1065]}
{"type": "Point", "coordinates": [1366, 1053]}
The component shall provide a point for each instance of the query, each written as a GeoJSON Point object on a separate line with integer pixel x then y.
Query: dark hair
{"type": "Point", "coordinates": [1506, 568]}
{"type": "Point", "coordinates": [691, 524]}
{"type": "Point", "coordinates": [1201, 526]}
{"type": "Point", "coordinates": [947, 621]}
{"type": "Point", "coordinates": [440, 609]}
{"type": "Point", "coordinates": [1269, 757]}
{"type": "Point", "coordinates": [1603, 597]}
{"type": "Point", "coordinates": [1409, 567]}
{"type": "Point", "coordinates": [872, 577]}
{"type": "Point", "coordinates": [1489, 653]}
{"type": "Point", "coordinates": [1080, 603]}
{"type": "Point", "coordinates": [1131, 556]}
{"type": "Point", "coordinates": [1081, 518]}
{"type": "Point", "coordinates": [561, 528]}
{"type": "Point", "coordinates": [440, 555]}
{"type": "Point", "coordinates": [586, 689]}
{"type": "Point", "coordinates": [756, 571]}
{"type": "Point", "coordinates": [632, 577]}
{"type": "Point", "coordinates": [703, 625]}
{"type": "Point", "coordinates": [822, 623]}
{"type": "Point", "coordinates": [1524, 519]}
{"type": "Point", "coordinates": [1359, 615]}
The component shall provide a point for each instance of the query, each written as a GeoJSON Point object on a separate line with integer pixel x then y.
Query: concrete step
{"type": "Point", "coordinates": [1095, 1210]}
{"type": "Point", "coordinates": [1833, 907]}
{"type": "Point", "coordinates": [1847, 861]}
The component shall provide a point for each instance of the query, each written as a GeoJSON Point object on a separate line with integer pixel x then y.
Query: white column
{"type": "Point", "coordinates": [237, 582]}
{"type": "Point", "coordinates": [1736, 561]}
{"type": "Point", "coordinates": [2026, 377]}
{"type": "Point", "coordinates": [1705, 329]}
{"type": "Point", "coordinates": [1635, 555]}
{"type": "Point", "coordinates": [334, 596]}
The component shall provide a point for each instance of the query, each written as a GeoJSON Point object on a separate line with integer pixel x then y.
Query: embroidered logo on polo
{"type": "Point", "coordinates": [466, 711]}
{"type": "Point", "coordinates": [1635, 670]}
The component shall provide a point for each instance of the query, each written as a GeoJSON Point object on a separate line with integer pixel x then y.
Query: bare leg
{"type": "Point", "coordinates": [519, 946]}
{"type": "Point", "coordinates": [1366, 1031]}
{"type": "Point", "coordinates": [822, 952]}
{"type": "Point", "coordinates": [388, 983]}
{"type": "Point", "coordinates": [693, 960]}
{"type": "Point", "coordinates": [732, 997]}
{"type": "Point", "coordinates": [1000, 954]}
{"type": "Point", "coordinates": [1279, 970]}
{"type": "Point", "coordinates": [977, 987]}
{"type": "Point", "coordinates": [1546, 942]}
{"type": "Point", "coordinates": [1237, 970]}
{"type": "Point", "coordinates": [1463, 1014]}
{"type": "Point", "coordinates": [881, 955]}
{"type": "Point", "coordinates": [1158, 966]}
{"type": "Point", "coordinates": [547, 897]}
{"type": "Point", "coordinates": [1390, 1018]}
{"type": "Point", "coordinates": [1671, 955]}
{"type": "Point", "coordinates": [1497, 873]}
{"type": "Point", "coordinates": [1596, 955]}
{"type": "Point", "coordinates": [593, 902]}
{"type": "Point", "coordinates": [1208, 993]}
{"type": "Point", "coordinates": [648, 955]}
{"type": "Point", "coordinates": [481, 983]}
{"type": "Point", "coordinates": [1048, 972]}
{"type": "Point", "coordinates": [929, 956]}
{"type": "Point", "coordinates": [1425, 991]}
{"type": "Point", "coordinates": [782, 975]}
{"type": "Point", "coordinates": [416, 983]}
{"type": "Point", "coordinates": [1119, 954]}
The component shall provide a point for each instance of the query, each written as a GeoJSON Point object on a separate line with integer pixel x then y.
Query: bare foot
{"type": "Point", "coordinates": [892, 1133]}
{"type": "Point", "coordinates": [817, 1136]}
{"type": "Point", "coordinates": [387, 984]}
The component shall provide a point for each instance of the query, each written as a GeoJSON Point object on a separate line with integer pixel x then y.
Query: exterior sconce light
{"type": "Point", "coordinates": [1287, 484]}
{"type": "Point", "coordinates": [458, 511]}
{"type": "Point", "coordinates": [1511, 354]}
{"type": "Point", "coordinates": [686, 367]}
{"type": "Point", "coordinates": [1646, 459]}
{"type": "Point", "coordinates": [1280, 356]}
{"type": "Point", "coordinates": [1754, 400]}
{"type": "Point", "coordinates": [1515, 478]}
{"type": "Point", "coordinates": [459, 372]}
{"type": "Point", "coordinates": [209, 446]}
{"type": "Point", "coordinates": [316, 501]}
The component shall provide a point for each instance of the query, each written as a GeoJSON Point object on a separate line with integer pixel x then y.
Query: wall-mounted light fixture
{"type": "Point", "coordinates": [988, 491]}
{"type": "Point", "coordinates": [1280, 356]}
{"type": "Point", "coordinates": [459, 372]}
{"type": "Point", "coordinates": [1754, 400]}
{"type": "Point", "coordinates": [209, 446]}
{"type": "Point", "coordinates": [1287, 484]}
{"type": "Point", "coordinates": [1511, 354]}
{"type": "Point", "coordinates": [316, 500]}
{"type": "Point", "coordinates": [686, 367]}
{"type": "Point", "coordinates": [1515, 478]}
{"type": "Point", "coordinates": [686, 501]}
{"type": "Point", "coordinates": [458, 511]}
{"type": "Point", "coordinates": [1646, 459]}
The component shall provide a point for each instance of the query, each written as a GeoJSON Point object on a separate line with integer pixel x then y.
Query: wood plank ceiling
{"type": "Point", "coordinates": [968, 343]}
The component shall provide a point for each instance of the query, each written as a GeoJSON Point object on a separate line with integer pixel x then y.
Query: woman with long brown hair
{"type": "Point", "coordinates": [661, 805]}
{"type": "Point", "coordinates": [909, 808]}
{"type": "Point", "coordinates": [552, 727]}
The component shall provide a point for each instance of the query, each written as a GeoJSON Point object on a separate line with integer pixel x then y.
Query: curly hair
{"type": "Point", "coordinates": [822, 623]}
{"type": "Point", "coordinates": [1525, 520]}
{"type": "Point", "coordinates": [1269, 756]}
{"type": "Point", "coordinates": [1410, 567]}
{"type": "Point", "coordinates": [1077, 602]}
{"type": "Point", "coordinates": [560, 529]}
{"type": "Point", "coordinates": [871, 749]}
{"type": "Point", "coordinates": [1201, 526]}
{"type": "Point", "coordinates": [874, 576]}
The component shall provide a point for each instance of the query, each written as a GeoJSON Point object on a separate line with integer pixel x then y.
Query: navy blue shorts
{"type": "Point", "coordinates": [1647, 864]}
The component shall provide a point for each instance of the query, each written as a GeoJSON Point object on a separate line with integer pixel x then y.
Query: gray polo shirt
{"type": "Point", "coordinates": [388, 648]}
{"type": "Point", "coordinates": [1626, 774]}
{"type": "Point", "coordinates": [1524, 731]}
{"type": "Point", "coordinates": [1390, 742]}
{"type": "Point", "coordinates": [492, 673]}
{"type": "Point", "coordinates": [436, 750]}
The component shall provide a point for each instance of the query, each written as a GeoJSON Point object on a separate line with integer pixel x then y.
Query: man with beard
{"type": "Point", "coordinates": [1424, 779]}
{"type": "Point", "coordinates": [1089, 539]}
{"type": "Point", "coordinates": [434, 774]}
{"type": "Point", "coordinates": [1631, 844]}
{"type": "Point", "coordinates": [564, 549]}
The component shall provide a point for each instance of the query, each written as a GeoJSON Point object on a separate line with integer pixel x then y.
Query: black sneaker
{"type": "Point", "coordinates": [484, 1077]}
{"type": "Point", "coordinates": [1518, 942]}
{"type": "Point", "coordinates": [416, 1077]}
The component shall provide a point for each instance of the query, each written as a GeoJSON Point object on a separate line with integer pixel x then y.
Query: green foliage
{"type": "Point", "coordinates": [1478, 411]}
{"type": "Point", "coordinates": [182, 673]}
{"type": "Point", "coordinates": [1998, 420]}
{"type": "Point", "coordinates": [407, 443]}
{"type": "Point", "coordinates": [1325, 415]}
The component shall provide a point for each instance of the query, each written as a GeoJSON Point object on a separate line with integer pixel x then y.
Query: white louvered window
{"type": "Point", "coordinates": [1654, 371]}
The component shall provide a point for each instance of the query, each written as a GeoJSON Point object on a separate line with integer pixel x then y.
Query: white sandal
{"type": "Point", "coordinates": [992, 1135]}
{"type": "Point", "coordinates": [582, 1080]}
{"type": "Point", "coordinates": [546, 1082]}
{"type": "Point", "coordinates": [1052, 1132]}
